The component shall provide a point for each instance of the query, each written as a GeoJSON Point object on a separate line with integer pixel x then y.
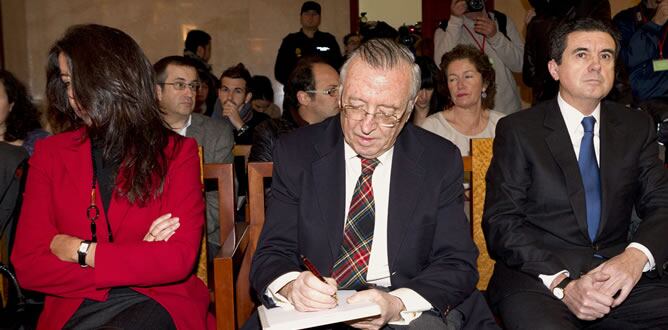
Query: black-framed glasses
{"type": "Point", "coordinates": [358, 113]}
{"type": "Point", "coordinates": [180, 85]}
{"type": "Point", "coordinates": [332, 91]}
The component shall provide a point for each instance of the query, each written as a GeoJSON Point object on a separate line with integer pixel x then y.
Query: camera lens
{"type": "Point", "coordinates": [475, 5]}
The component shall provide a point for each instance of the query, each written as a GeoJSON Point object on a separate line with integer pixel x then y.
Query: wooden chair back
{"type": "Point", "coordinates": [242, 150]}
{"type": "Point", "coordinates": [257, 173]}
{"type": "Point", "coordinates": [481, 156]}
{"type": "Point", "coordinates": [202, 269]}
{"type": "Point", "coordinates": [234, 241]}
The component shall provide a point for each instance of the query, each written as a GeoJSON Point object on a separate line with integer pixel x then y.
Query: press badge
{"type": "Point", "coordinates": [660, 65]}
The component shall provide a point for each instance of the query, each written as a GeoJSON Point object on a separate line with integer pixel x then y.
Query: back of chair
{"type": "Point", "coordinates": [233, 245]}
{"type": "Point", "coordinates": [242, 150]}
{"type": "Point", "coordinates": [481, 156]}
{"type": "Point", "coordinates": [224, 175]}
{"type": "Point", "coordinates": [257, 173]}
{"type": "Point", "coordinates": [202, 269]}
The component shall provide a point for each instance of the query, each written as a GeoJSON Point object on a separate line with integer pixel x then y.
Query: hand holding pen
{"type": "Point", "coordinates": [311, 268]}
{"type": "Point", "coordinates": [309, 292]}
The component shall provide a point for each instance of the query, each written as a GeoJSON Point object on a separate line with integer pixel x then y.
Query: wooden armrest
{"type": "Point", "coordinates": [226, 265]}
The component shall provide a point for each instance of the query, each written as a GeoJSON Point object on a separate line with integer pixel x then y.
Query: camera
{"type": "Point", "coordinates": [475, 5]}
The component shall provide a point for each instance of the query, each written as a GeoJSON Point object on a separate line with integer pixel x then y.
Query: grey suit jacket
{"type": "Point", "coordinates": [217, 141]}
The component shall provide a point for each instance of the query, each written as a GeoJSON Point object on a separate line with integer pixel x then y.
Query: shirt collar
{"type": "Point", "coordinates": [573, 117]}
{"type": "Point", "coordinates": [350, 154]}
{"type": "Point", "coordinates": [183, 130]}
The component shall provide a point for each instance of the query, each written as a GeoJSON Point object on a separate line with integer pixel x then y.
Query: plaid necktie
{"type": "Point", "coordinates": [351, 267]}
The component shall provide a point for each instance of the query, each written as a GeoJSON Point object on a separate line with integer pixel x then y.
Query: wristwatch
{"type": "Point", "coordinates": [242, 129]}
{"type": "Point", "coordinates": [559, 290]}
{"type": "Point", "coordinates": [82, 252]}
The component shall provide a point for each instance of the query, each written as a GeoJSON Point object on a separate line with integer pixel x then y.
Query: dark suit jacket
{"type": "Point", "coordinates": [55, 201]}
{"type": "Point", "coordinates": [12, 159]}
{"type": "Point", "coordinates": [535, 217]}
{"type": "Point", "coordinates": [429, 244]}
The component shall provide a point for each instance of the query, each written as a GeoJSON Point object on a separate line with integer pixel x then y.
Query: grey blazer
{"type": "Point", "coordinates": [217, 141]}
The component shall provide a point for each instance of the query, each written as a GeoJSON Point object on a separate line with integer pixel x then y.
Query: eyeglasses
{"type": "Point", "coordinates": [380, 118]}
{"type": "Point", "coordinates": [332, 91]}
{"type": "Point", "coordinates": [179, 85]}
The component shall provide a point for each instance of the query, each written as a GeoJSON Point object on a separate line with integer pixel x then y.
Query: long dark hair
{"type": "Point", "coordinates": [114, 84]}
{"type": "Point", "coordinates": [24, 116]}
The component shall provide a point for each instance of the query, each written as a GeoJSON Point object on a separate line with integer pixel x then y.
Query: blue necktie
{"type": "Point", "coordinates": [591, 179]}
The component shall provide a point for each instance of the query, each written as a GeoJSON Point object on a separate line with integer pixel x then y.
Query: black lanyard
{"type": "Point", "coordinates": [93, 212]}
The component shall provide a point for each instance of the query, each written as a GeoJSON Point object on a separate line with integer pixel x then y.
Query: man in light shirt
{"type": "Point", "coordinates": [417, 250]}
{"type": "Point", "coordinates": [565, 178]}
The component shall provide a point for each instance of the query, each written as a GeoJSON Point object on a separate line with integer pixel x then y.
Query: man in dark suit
{"type": "Point", "coordinates": [565, 177]}
{"type": "Point", "coordinates": [405, 226]}
{"type": "Point", "coordinates": [178, 83]}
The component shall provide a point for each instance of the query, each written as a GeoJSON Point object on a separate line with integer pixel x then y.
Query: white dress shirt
{"type": "Point", "coordinates": [573, 119]}
{"type": "Point", "coordinates": [182, 131]}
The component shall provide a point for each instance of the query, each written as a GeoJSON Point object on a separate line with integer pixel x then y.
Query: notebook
{"type": "Point", "coordinates": [279, 318]}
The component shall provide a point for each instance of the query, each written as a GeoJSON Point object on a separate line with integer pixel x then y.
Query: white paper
{"type": "Point", "coordinates": [279, 318]}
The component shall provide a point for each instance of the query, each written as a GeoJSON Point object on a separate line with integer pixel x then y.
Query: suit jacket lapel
{"type": "Point", "coordinates": [79, 169]}
{"type": "Point", "coordinates": [405, 181]}
{"type": "Point", "coordinates": [611, 135]}
{"type": "Point", "coordinates": [328, 176]}
{"type": "Point", "coordinates": [559, 143]}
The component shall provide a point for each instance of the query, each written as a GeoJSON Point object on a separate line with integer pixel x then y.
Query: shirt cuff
{"type": "Point", "coordinates": [413, 303]}
{"type": "Point", "coordinates": [548, 279]}
{"type": "Point", "coordinates": [650, 265]}
{"type": "Point", "coordinates": [277, 285]}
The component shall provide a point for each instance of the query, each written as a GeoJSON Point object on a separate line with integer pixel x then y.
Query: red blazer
{"type": "Point", "coordinates": [55, 201]}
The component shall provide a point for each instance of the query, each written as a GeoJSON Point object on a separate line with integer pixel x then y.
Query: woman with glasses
{"type": "Point", "coordinates": [468, 90]}
{"type": "Point", "coordinates": [98, 228]}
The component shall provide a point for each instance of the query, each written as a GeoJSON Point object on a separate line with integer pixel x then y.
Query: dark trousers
{"type": "Point", "coordinates": [646, 307]}
{"type": "Point", "coordinates": [124, 309]}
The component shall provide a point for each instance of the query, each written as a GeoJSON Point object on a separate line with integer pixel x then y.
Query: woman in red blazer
{"type": "Point", "coordinates": [112, 215]}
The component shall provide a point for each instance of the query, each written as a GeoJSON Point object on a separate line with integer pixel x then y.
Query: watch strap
{"type": "Point", "coordinates": [82, 254]}
{"type": "Point", "coordinates": [562, 285]}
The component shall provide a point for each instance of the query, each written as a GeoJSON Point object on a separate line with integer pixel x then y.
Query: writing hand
{"type": "Point", "coordinates": [307, 293]}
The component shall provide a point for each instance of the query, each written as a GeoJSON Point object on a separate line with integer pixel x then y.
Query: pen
{"type": "Point", "coordinates": [311, 268]}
